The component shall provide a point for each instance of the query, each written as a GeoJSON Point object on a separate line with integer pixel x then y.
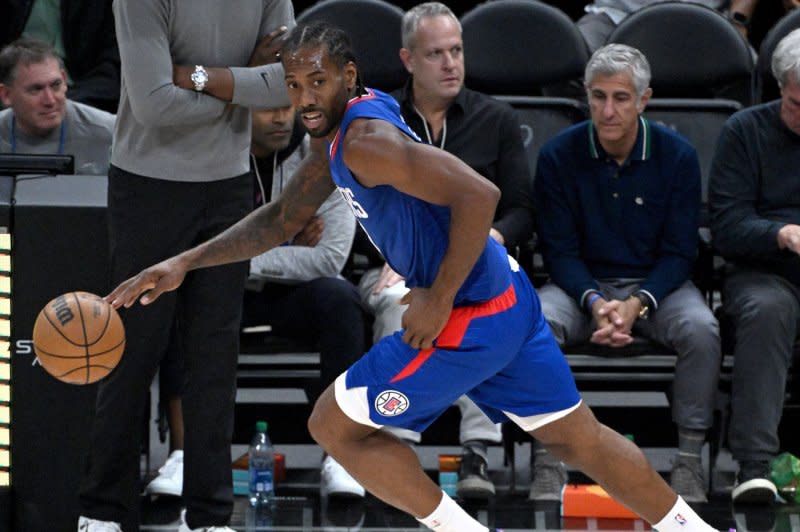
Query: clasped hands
{"type": "Point", "coordinates": [614, 321]}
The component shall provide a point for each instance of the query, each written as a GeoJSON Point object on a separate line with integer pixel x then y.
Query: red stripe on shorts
{"type": "Point", "coordinates": [453, 332]}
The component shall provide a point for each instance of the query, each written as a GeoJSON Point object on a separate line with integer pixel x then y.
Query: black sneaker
{"type": "Point", "coordinates": [753, 485]}
{"type": "Point", "coordinates": [473, 477]}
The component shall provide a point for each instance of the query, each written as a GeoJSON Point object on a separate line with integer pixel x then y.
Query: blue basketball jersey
{"type": "Point", "coordinates": [412, 234]}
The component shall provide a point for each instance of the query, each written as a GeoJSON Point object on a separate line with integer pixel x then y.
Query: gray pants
{"type": "Point", "coordinates": [764, 311]}
{"type": "Point", "coordinates": [388, 314]}
{"type": "Point", "coordinates": [683, 321]}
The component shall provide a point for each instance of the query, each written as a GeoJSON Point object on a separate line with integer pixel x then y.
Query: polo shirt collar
{"type": "Point", "coordinates": [641, 148]}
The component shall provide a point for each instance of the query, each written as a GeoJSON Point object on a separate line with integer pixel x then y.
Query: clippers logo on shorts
{"type": "Point", "coordinates": [681, 520]}
{"type": "Point", "coordinates": [391, 403]}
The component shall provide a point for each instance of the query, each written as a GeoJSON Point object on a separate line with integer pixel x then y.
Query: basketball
{"type": "Point", "coordinates": [78, 338]}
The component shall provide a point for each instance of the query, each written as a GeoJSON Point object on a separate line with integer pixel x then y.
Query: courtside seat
{"type": "Point", "coordinates": [543, 117]}
{"type": "Point", "coordinates": [520, 47]}
{"type": "Point", "coordinates": [693, 51]}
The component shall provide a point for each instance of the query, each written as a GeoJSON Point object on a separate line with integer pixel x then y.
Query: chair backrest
{"type": "Point", "coordinates": [541, 118]}
{"type": "Point", "coordinates": [766, 85]}
{"type": "Point", "coordinates": [700, 122]}
{"type": "Point", "coordinates": [693, 51]}
{"type": "Point", "coordinates": [374, 28]}
{"type": "Point", "coordinates": [519, 46]}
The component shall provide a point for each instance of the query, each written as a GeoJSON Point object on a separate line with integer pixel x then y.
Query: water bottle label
{"type": "Point", "coordinates": [261, 480]}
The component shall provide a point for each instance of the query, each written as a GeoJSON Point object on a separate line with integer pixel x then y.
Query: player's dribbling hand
{"type": "Point", "coordinates": [152, 282]}
{"type": "Point", "coordinates": [425, 317]}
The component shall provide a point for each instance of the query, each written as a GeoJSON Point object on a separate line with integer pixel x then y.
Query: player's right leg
{"type": "Point", "coordinates": [383, 464]}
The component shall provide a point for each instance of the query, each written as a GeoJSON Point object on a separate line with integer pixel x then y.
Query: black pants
{"type": "Point", "coordinates": [150, 220]}
{"type": "Point", "coordinates": [326, 312]}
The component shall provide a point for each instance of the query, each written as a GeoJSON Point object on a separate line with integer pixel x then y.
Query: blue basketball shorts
{"type": "Point", "coordinates": [500, 353]}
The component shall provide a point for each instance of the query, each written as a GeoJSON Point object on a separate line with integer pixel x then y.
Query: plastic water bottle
{"type": "Point", "coordinates": [259, 518]}
{"type": "Point", "coordinates": [261, 459]}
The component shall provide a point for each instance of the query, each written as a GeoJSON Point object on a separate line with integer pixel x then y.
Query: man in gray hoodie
{"type": "Point", "coordinates": [179, 174]}
{"type": "Point", "coordinates": [298, 287]}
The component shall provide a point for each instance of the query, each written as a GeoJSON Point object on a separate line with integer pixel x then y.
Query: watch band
{"type": "Point", "coordinates": [646, 303]}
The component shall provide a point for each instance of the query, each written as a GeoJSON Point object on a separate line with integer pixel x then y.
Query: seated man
{"type": "Point", "coordinates": [618, 205]}
{"type": "Point", "coordinates": [603, 16]}
{"type": "Point", "coordinates": [485, 134]}
{"type": "Point", "coordinates": [82, 34]}
{"type": "Point", "coordinates": [40, 118]}
{"type": "Point", "coordinates": [296, 288]}
{"type": "Point", "coordinates": [755, 224]}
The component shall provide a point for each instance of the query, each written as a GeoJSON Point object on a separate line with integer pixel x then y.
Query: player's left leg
{"type": "Point", "coordinates": [619, 466]}
{"type": "Point", "coordinates": [536, 390]}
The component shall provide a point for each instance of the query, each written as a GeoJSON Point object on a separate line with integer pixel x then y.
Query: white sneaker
{"type": "Point", "coordinates": [93, 525]}
{"type": "Point", "coordinates": [185, 528]}
{"type": "Point", "coordinates": [170, 477]}
{"type": "Point", "coordinates": [336, 481]}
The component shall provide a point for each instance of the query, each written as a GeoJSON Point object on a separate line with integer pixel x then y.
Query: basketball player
{"type": "Point", "coordinates": [473, 324]}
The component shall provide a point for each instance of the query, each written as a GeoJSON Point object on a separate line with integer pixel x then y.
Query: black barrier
{"type": "Point", "coordinates": [60, 235]}
{"type": "Point", "coordinates": [5, 509]}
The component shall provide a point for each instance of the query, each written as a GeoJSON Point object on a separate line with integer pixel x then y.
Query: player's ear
{"type": "Point", "coordinates": [350, 75]}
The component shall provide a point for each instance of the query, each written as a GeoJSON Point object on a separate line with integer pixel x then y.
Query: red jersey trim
{"type": "Point", "coordinates": [453, 333]}
{"type": "Point", "coordinates": [368, 96]}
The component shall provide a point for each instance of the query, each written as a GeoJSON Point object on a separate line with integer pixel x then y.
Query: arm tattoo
{"type": "Point", "coordinates": [273, 224]}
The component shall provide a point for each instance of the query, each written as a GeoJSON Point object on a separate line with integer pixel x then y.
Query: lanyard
{"type": "Point", "coordinates": [61, 136]}
{"type": "Point", "coordinates": [427, 131]}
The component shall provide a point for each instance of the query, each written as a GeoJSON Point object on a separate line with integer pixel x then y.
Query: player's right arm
{"type": "Point", "coordinates": [266, 227]}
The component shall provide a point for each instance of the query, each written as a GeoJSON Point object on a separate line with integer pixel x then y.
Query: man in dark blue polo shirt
{"type": "Point", "coordinates": [618, 202]}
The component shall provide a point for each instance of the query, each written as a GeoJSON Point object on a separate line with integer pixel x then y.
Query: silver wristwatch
{"type": "Point", "coordinates": [199, 77]}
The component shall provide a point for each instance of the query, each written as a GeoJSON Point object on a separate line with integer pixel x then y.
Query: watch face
{"type": "Point", "coordinates": [199, 77]}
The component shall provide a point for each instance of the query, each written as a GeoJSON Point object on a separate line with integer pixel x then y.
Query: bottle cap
{"type": "Point", "coordinates": [449, 462]}
{"type": "Point", "coordinates": [261, 426]}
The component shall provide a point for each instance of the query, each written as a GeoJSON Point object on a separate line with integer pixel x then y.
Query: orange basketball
{"type": "Point", "coordinates": [78, 338]}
